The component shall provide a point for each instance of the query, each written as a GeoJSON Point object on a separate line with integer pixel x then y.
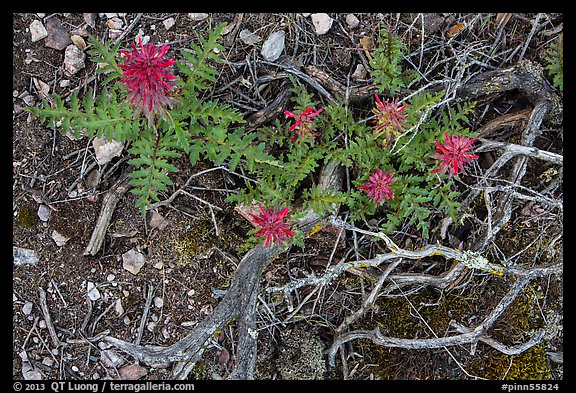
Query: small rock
{"type": "Point", "coordinates": [352, 21]}
{"type": "Point", "coordinates": [169, 23]}
{"type": "Point", "coordinates": [42, 324]}
{"type": "Point", "coordinates": [37, 31]}
{"type": "Point", "coordinates": [58, 238]}
{"type": "Point", "coordinates": [110, 277]}
{"type": "Point", "coordinates": [191, 292]}
{"type": "Point", "coordinates": [48, 361]}
{"type": "Point", "coordinates": [158, 302]}
{"type": "Point", "coordinates": [273, 46]}
{"type": "Point", "coordinates": [74, 59]}
{"type": "Point", "coordinates": [165, 333]}
{"type": "Point", "coordinates": [110, 358]}
{"type": "Point", "coordinates": [115, 23]}
{"type": "Point", "coordinates": [114, 33]}
{"type": "Point", "coordinates": [118, 307]}
{"type": "Point", "coordinates": [157, 221]}
{"type": "Point", "coordinates": [93, 292]}
{"type": "Point", "coordinates": [197, 16]}
{"type": "Point", "coordinates": [29, 100]}
{"type": "Point", "coordinates": [133, 261]}
{"type": "Point", "coordinates": [322, 23]}
{"type": "Point", "coordinates": [44, 213]}
{"type": "Point", "coordinates": [78, 41]}
{"type": "Point", "coordinates": [106, 150]}
{"type": "Point", "coordinates": [159, 265]}
{"type": "Point", "coordinates": [249, 38]}
{"type": "Point", "coordinates": [151, 326]}
{"type": "Point", "coordinates": [58, 36]}
{"type": "Point", "coordinates": [42, 87]}
{"type": "Point", "coordinates": [126, 320]}
{"type": "Point", "coordinates": [24, 256]}
{"type": "Point", "coordinates": [27, 308]}
{"type": "Point", "coordinates": [359, 73]}
{"type": "Point", "coordinates": [14, 297]}
{"type": "Point", "coordinates": [90, 18]}
{"type": "Point", "coordinates": [75, 369]}
{"type": "Point", "coordinates": [132, 372]}
{"type": "Point", "coordinates": [64, 83]}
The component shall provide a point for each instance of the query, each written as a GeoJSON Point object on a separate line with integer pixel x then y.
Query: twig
{"type": "Point", "coordinates": [145, 314]}
{"type": "Point", "coordinates": [44, 306]}
{"type": "Point", "coordinates": [108, 206]}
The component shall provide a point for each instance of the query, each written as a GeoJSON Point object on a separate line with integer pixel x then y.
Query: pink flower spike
{"type": "Point", "coordinates": [453, 155]}
{"type": "Point", "coordinates": [390, 117]}
{"type": "Point", "coordinates": [378, 186]}
{"type": "Point", "coordinates": [304, 122]}
{"type": "Point", "coordinates": [147, 79]}
{"type": "Point", "coordinates": [273, 224]}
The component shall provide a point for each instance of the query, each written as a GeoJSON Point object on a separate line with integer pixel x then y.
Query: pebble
{"type": "Point", "coordinates": [48, 361]}
{"type": "Point", "coordinates": [27, 308]}
{"type": "Point", "coordinates": [110, 277]}
{"type": "Point", "coordinates": [169, 23]}
{"type": "Point", "coordinates": [78, 41]}
{"type": "Point", "coordinates": [151, 326]}
{"type": "Point", "coordinates": [273, 46]}
{"type": "Point", "coordinates": [133, 261]}
{"type": "Point", "coordinates": [197, 16]}
{"type": "Point", "coordinates": [14, 297]}
{"type": "Point", "coordinates": [158, 302]}
{"type": "Point", "coordinates": [75, 369]}
{"type": "Point", "coordinates": [352, 21]}
{"type": "Point", "coordinates": [249, 38]}
{"type": "Point", "coordinates": [115, 23]}
{"type": "Point", "coordinates": [360, 72]}
{"type": "Point", "coordinates": [90, 18]}
{"type": "Point", "coordinates": [110, 358]}
{"type": "Point", "coordinates": [44, 213]}
{"type": "Point", "coordinates": [191, 292]}
{"type": "Point", "coordinates": [58, 36]}
{"type": "Point", "coordinates": [64, 83]}
{"type": "Point", "coordinates": [322, 23]}
{"type": "Point", "coordinates": [159, 265]}
{"type": "Point", "coordinates": [42, 324]}
{"type": "Point", "coordinates": [74, 59]}
{"type": "Point", "coordinates": [126, 321]}
{"type": "Point", "coordinates": [58, 238]}
{"type": "Point", "coordinates": [37, 31]}
{"type": "Point", "coordinates": [106, 150]}
{"type": "Point", "coordinates": [93, 292]}
{"type": "Point", "coordinates": [118, 307]}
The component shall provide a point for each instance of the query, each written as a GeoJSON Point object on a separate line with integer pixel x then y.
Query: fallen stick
{"type": "Point", "coordinates": [108, 206]}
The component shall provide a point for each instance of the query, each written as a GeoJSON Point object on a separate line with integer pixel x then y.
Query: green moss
{"type": "Point", "coordinates": [26, 218]}
{"type": "Point", "coordinates": [529, 365]}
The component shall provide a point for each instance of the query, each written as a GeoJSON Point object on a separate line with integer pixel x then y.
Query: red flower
{"type": "Point", "coordinates": [378, 186]}
{"type": "Point", "coordinates": [273, 225]}
{"type": "Point", "coordinates": [390, 117]}
{"type": "Point", "coordinates": [454, 154]}
{"type": "Point", "coordinates": [147, 79]}
{"type": "Point", "coordinates": [304, 122]}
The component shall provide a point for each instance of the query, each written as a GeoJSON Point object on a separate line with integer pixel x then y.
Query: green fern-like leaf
{"type": "Point", "coordinates": [386, 62]}
{"type": "Point", "coordinates": [151, 158]}
{"type": "Point", "coordinates": [555, 59]}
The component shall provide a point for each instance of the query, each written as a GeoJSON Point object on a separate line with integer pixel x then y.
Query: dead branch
{"type": "Point", "coordinates": [44, 306]}
{"type": "Point", "coordinates": [108, 206]}
{"type": "Point", "coordinates": [468, 337]}
{"type": "Point", "coordinates": [239, 302]}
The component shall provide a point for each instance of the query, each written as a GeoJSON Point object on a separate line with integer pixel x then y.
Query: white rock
{"type": "Point", "coordinates": [159, 265]}
{"type": "Point", "coordinates": [106, 150]}
{"type": "Point", "coordinates": [74, 59]}
{"type": "Point", "coordinates": [44, 213]}
{"type": "Point", "coordinates": [249, 38]}
{"type": "Point", "coordinates": [158, 302]}
{"type": "Point", "coordinates": [27, 308]}
{"type": "Point", "coordinates": [110, 277]}
{"type": "Point", "coordinates": [118, 307]}
{"type": "Point", "coordinates": [322, 23]}
{"type": "Point", "coordinates": [58, 238]}
{"type": "Point", "coordinates": [273, 46]}
{"type": "Point", "coordinates": [133, 261]}
{"type": "Point", "coordinates": [168, 23]}
{"type": "Point", "coordinates": [197, 16]}
{"type": "Point", "coordinates": [14, 297]}
{"type": "Point", "coordinates": [151, 326]}
{"type": "Point", "coordinates": [110, 358]}
{"type": "Point", "coordinates": [93, 292]}
{"type": "Point", "coordinates": [191, 292]}
{"type": "Point", "coordinates": [64, 83]}
{"type": "Point", "coordinates": [38, 31]}
{"type": "Point", "coordinates": [352, 21]}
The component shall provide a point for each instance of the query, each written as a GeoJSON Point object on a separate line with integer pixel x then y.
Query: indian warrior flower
{"type": "Point", "coordinates": [378, 186]}
{"type": "Point", "coordinates": [147, 77]}
{"type": "Point", "coordinates": [273, 224]}
{"type": "Point", "coordinates": [453, 155]}
{"type": "Point", "coordinates": [390, 117]}
{"type": "Point", "coordinates": [304, 122]}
